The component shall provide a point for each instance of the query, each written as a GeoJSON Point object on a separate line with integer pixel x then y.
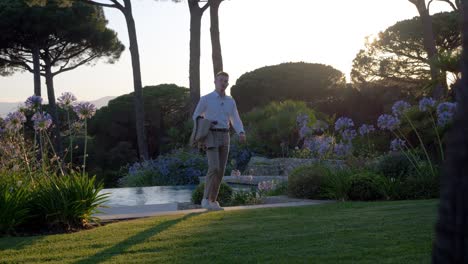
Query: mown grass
{"type": "Point", "coordinates": [350, 232]}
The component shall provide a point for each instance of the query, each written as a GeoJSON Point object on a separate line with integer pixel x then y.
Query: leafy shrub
{"type": "Point", "coordinates": [307, 181]}
{"type": "Point", "coordinates": [14, 199]}
{"type": "Point", "coordinates": [224, 195]}
{"type": "Point", "coordinates": [273, 129]}
{"type": "Point", "coordinates": [245, 198]}
{"type": "Point", "coordinates": [395, 165]}
{"type": "Point", "coordinates": [422, 185]}
{"type": "Point", "coordinates": [366, 186]}
{"type": "Point", "coordinates": [337, 184]}
{"type": "Point", "coordinates": [66, 201]}
{"type": "Point", "coordinates": [177, 168]}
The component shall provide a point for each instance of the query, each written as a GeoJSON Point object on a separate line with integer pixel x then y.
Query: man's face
{"type": "Point", "coordinates": [221, 83]}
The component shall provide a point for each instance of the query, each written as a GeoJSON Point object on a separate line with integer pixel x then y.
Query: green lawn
{"type": "Point", "coordinates": [351, 232]}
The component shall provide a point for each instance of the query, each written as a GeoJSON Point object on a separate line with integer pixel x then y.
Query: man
{"type": "Point", "coordinates": [222, 111]}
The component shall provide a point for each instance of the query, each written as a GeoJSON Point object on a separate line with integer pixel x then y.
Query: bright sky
{"type": "Point", "coordinates": [254, 33]}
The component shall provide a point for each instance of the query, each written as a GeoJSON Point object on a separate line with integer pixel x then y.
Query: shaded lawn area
{"type": "Point", "coordinates": [373, 232]}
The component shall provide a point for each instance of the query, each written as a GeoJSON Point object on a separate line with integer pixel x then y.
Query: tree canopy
{"type": "Point", "coordinates": [398, 52]}
{"type": "Point", "coordinates": [69, 37]}
{"type": "Point", "coordinates": [296, 81]}
{"type": "Point", "coordinates": [113, 126]}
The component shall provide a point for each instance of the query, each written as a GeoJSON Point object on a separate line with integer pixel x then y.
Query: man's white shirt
{"type": "Point", "coordinates": [222, 109]}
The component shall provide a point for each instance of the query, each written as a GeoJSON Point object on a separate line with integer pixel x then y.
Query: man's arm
{"type": "Point", "coordinates": [200, 109]}
{"type": "Point", "coordinates": [237, 122]}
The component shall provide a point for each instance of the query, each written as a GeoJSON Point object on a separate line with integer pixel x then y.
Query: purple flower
{"type": "Point", "coordinates": [304, 131]}
{"type": "Point", "coordinates": [445, 112]}
{"type": "Point", "coordinates": [400, 107]}
{"type": "Point", "coordinates": [397, 144]}
{"type": "Point", "coordinates": [85, 110]}
{"type": "Point", "coordinates": [388, 122]}
{"type": "Point", "coordinates": [348, 134]}
{"type": "Point", "coordinates": [343, 123]}
{"type": "Point", "coordinates": [42, 121]}
{"type": "Point", "coordinates": [319, 145]}
{"type": "Point", "coordinates": [366, 129]}
{"type": "Point", "coordinates": [14, 121]}
{"type": "Point", "coordinates": [343, 149]}
{"type": "Point", "coordinates": [33, 102]}
{"type": "Point", "coordinates": [66, 100]}
{"type": "Point", "coordinates": [426, 104]}
{"type": "Point", "coordinates": [302, 119]}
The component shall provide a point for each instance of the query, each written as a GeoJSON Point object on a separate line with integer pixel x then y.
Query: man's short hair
{"type": "Point", "coordinates": [221, 73]}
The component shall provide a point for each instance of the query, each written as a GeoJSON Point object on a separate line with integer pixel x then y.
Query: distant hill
{"type": "Point", "coordinates": [6, 107]}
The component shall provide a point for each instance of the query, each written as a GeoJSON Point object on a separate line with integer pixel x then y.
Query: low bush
{"type": "Point", "coordinates": [14, 200]}
{"type": "Point", "coordinates": [66, 201]}
{"type": "Point", "coordinates": [307, 181]}
{"type": "Point", "coordinates": [245, 198]}
{"type": "Point", "coordinates": [366, 186]}
{"type": "Point", "coordinates": [395, 165]}
{"type": "Point", "coordinates": [337, 184]}
{"type": "Point", "coordinates": [224, 195]}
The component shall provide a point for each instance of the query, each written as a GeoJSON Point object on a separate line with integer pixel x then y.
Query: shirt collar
{"type": "Point", "coordinates": [218, 95]}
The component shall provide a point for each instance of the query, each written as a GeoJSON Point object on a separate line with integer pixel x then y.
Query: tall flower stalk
{"type": "Point", "coordinates": [85, 111]}
{"type": "Point", "coordinates": [66, 101]}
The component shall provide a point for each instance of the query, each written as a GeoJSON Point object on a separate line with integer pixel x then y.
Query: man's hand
{"type": "Point", "coordinates": [242, 138]}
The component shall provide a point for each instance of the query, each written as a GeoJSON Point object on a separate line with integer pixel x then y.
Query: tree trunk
{"type": "Point", "coordinates": [196, 14]}
{"type": "Point", "coordinates": [37, 71]}
{"type": "Point", "coordinates": [137, 85]}
{"type": "Point", "coordinates": [53, 106]}
{"type": "Point", "coordinates": [215, 41]}
{"type": "Point", "coordinates": [451, 244]}
{"type": "Point", "coordinates": [439, 90]}
{"type": "Point", "coordinates": [194, 63]}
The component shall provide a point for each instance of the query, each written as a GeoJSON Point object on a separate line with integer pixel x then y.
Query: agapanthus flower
{"type": "Point", "coordinates": [33, 102]}
{"type": "Point", "coordinates": [397, 144]}
{"type": "Point", "coordinates": [348, 134]}
{"type": "Point", "coordinates": [366, 129]}
{"type": "Point", "coordinates": [14, 121]}
{"type": "Point", "coordinates": [304, 131]}
{"type": "Point", "coordinates": [324, 146]}
{"type": "Point", "coordinates": [66, 100]}
{"type": "Point", "coordinates": [426, 104]}
{"type": "Point", "coordinates": [42, 121]}
{"type": "Point", "coordinates": [388, 122]}
{"type": "Point", "coordinates": [302, 119]}
{"type": "Point", "coordinates": [445, 112]}
{"type": "Point", "coordinates": [319, 145]}
{"type": "Point", "coordinates": [343, 123]}
{"type": "Point", "coordinates": [343, 149]}
{"type": "Point", "coordinates": [400, 107]}
{"type": "Point", "coordinates": [85, 110]}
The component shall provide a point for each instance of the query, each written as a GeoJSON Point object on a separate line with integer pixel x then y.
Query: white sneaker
{"type": "Point", "coordinates": [215, 206]}
{"type": "Point", "coordinates": [205, 203]}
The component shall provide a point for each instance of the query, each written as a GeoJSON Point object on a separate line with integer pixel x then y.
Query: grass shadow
{"type": "Point", "coordinates": [134, 240]}
{"type": "Point", "coordinates": [17, 242]}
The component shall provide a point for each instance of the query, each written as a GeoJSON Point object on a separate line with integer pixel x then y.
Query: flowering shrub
{"type": "Point", "coordinates": [177, 168]}
{"type": "Point", "coordinates": [29, 184]}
